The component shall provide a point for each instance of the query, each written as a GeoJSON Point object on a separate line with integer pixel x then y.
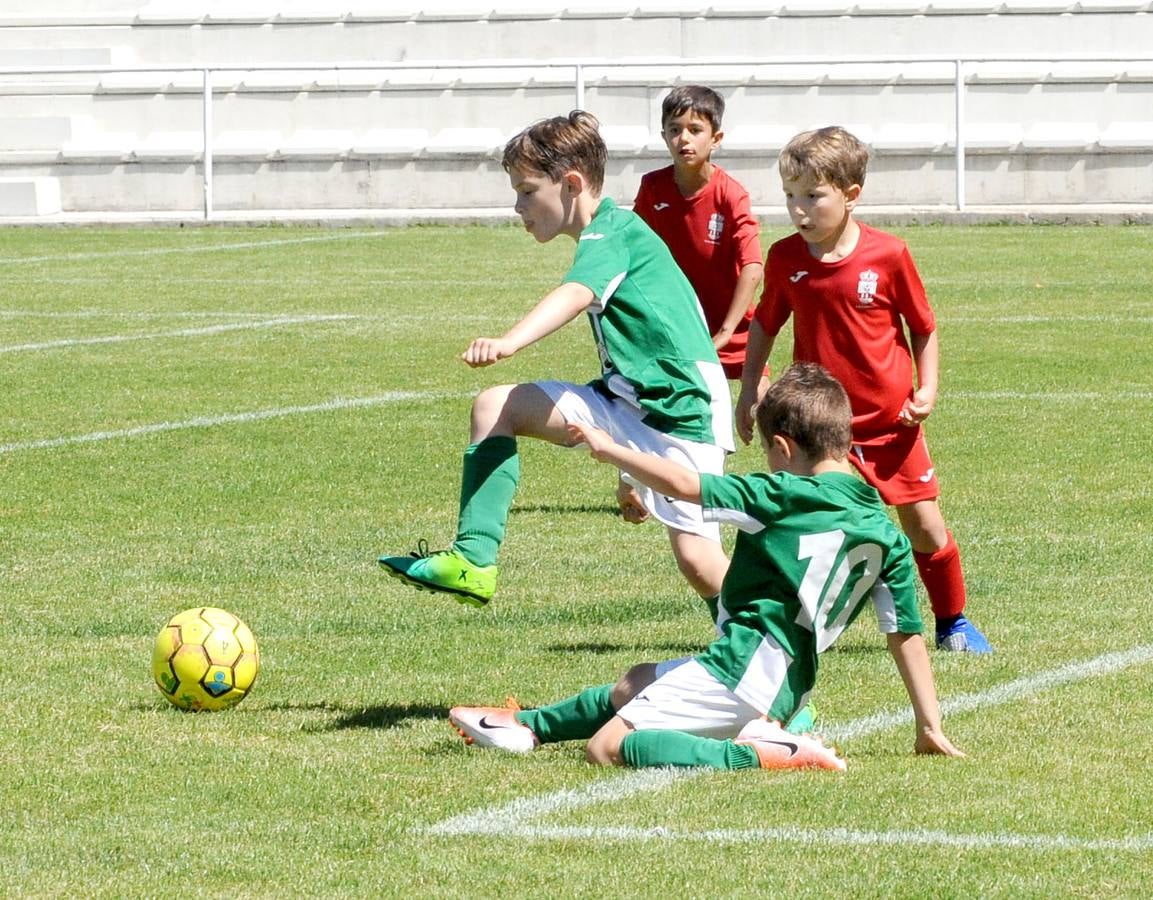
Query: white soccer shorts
{"type": "Point", "coordinates": [689, 698]}
{"type": "Point", "coordinates": [588, 406]}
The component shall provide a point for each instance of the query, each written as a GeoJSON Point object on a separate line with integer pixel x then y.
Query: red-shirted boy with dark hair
{"type": "Point", "coordinates": [852, 291]}
{"type": "Point", "coordinates": [703, 215]}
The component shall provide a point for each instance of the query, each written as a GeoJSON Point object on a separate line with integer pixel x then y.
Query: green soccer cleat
{"type": "Point", "coordinates": [444, 571]}
{"type": "Point", "coordinates": [803, 721]}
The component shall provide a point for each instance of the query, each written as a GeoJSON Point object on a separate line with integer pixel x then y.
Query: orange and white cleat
{"type": "Point", "coordinates": [493, 726]}
{"type": "Point", "coordinates": [777, 749]}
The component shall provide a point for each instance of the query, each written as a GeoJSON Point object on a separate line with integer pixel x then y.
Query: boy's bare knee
{"type": "Point", "coordinates": [632, 683]}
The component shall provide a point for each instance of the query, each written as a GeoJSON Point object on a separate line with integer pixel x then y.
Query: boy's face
{"type": "Point", "coordinates": [818, 209]}
{"type": "Point", "coordinates": [690, 139]}
{"type": "Point", "coordinates": [544, 206]}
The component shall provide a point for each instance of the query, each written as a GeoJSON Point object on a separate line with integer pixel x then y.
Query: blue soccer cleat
{"type": "Point", "coordinates": [962, 636]}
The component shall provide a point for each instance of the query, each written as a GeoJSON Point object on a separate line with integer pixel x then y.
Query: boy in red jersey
{"type": "Point", "coordinates": [852, 290]}
{"type": "Point", "coordinates": [704, 217]}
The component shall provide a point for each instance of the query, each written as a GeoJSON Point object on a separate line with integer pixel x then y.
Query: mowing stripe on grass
{"type": "Point", "coordinates": [515, 818]}
{"type": "Point", "coordinates": [202, 248]}
{"type": "Point", "coordinates": [65, 343]}
{"type": "Point", "coordinates": [226, 419]}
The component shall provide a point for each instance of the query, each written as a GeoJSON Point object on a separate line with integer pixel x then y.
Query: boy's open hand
{"type": "Point", "coordinates": [597, 440]}
{"type": "Point", "coordinates": [935, 743]}
{"type": "Point", "coordinates": [486, 351]}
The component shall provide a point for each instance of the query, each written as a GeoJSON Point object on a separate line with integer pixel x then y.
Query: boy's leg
{"type": "Point", "coordinates": [938, 560]}
{"type": "Point", "coordinates": [490, 474]}
{"type": "Point", "coordinates": [701, 560]}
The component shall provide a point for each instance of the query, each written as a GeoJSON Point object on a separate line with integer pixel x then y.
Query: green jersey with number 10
{"type": "Point", "coordinates": [811, 550]}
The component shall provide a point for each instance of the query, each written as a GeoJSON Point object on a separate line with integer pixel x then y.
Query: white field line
{"type": "Point", "coordinates": [202, 248]}
{"type": "Point", "coordinates": [226, 419]}
{"type": "Point", "coordinates": [517, 818]}
{"type": "Point", "coordinates": [64, 343]}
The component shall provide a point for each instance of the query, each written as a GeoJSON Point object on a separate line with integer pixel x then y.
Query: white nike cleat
{"type": "Point", "coordinates": [492, 726]}
{"type": "Point", "coordinates": [777, 749]}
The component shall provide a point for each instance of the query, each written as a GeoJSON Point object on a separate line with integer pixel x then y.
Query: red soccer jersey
{"type": "Point", "coordinates": [847, 316]}
{"type": "Point", "coordinates": [712, 236]}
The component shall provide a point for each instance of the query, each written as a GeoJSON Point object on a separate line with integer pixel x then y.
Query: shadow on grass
{"type": "Point", "coordinates": [554, 508]}
{"type": "Point", "coordinates": [385, 716]}
{"type": "Point", "coordinates": [665, 650]}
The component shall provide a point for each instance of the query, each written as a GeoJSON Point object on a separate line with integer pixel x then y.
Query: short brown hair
{"type": "Point", "coordinates": [830, 155]}
{"type": "Point", "coordinates": [696, 98]}
{"type": "Point", "coordinates": [558, 145]}
{"type": "Point", "coordinates": [810, 406]}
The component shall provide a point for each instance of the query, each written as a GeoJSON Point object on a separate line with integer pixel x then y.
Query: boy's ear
{"type": "Point", "coordinates": [573, 182]}
{"type": "Point", "coordinates": [852, 195]}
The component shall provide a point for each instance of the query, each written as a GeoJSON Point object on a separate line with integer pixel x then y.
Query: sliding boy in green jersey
{"type": "Point", "coordinates": [815, 547]}
{"type": "Point", "coordinates": [661, 388]}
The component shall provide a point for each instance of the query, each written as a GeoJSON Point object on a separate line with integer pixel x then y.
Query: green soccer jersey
{"type": "Point", "coordinates": [809, 553]}
{"type": "Point", "coordinates": [654, 345]}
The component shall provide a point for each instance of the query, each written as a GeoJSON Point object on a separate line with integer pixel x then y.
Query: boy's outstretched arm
{"type": "Point", "coordinates": [912, 659]}
{"type": "Point", "coordinates": [753, 381]}
{"type": "Point", "coordinates": [662, 475]}
{"type": "Point", "coordinates": [559, 307]}
{"type": "Point", "coordinates": [743, 295]}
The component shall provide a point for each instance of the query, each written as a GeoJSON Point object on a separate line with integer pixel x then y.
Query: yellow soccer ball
{"type": "Point", "coordinates": [205, 659]}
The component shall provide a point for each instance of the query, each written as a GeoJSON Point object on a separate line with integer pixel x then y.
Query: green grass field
{"type": "Point", "coordinates": [246, 418]}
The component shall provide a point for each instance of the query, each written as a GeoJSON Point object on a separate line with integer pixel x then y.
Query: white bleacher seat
{"type": "Point", "coordinates": [396, 143]}
{"type": "Point", "coordinates": [275, 80]}
{"type": "Point", "coordinates": [170, 12]}
{"type": "Point", "coordinates": [1008, 72]}
{"type": "Point", "coordinates": [465, 142]}
{"type": "Point", "coordinates": [381, 10]}
{"type": "Point", "coordinates": [103, 147]}
{"type": "Point", "coordinates": [625, 140]}
{"type": "Point", "coordinates": [242, 145]}
{"type": "Point", "coordinates": [316, 143]}
{"type": "Point", "coordinates": [351, 80]}
{"type": "Point", "coordinates": [39, 196]}
{"type": "Point", "coordinates": [170, 146]}
{"type": "Point", "coordinates": [757, 138]}
{"type": "Point", "coordinates": [992, 137]}
{"type": "Point", "coordinates": [802, 74]}
{"type": "Point", "coordinates": [133, 83]}
{"type": "Point", "coordinates": [1077, 136]}
{"type": "Point", "coordinates": [55, 56]}
{"type": "Point", "coordinates": [34, 132]}
{"type": "Point", "coordinates": [1127, 136]}
{"type": "Point", "coordinates": [925, 137]}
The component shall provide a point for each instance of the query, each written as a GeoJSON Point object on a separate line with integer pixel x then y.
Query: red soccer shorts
{"type": "Point", "coordinates": [897, 464]}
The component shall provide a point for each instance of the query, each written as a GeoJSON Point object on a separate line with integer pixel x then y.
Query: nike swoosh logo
{"type": "Point", "coordinates": [788, 745]}
{"type": "Point", "coordinates": [797, 276]}
{"type": "Point", "coordinates": [659, 206]}
{"type": "Point", "coordinates": [927, 477]}
{"type": "Point", "coordinates": [483, 723]}
{"type": "Point", "coordinates": [592, 237]}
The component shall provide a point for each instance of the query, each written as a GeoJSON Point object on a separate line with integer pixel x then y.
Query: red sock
{"type": "Point", "coordinates": [943, 578]}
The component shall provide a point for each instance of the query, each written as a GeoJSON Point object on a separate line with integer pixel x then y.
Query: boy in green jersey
{"type": "Point", "coordinates": [661, 389]}
{"type": "Point", "coordinates": [815, 546]}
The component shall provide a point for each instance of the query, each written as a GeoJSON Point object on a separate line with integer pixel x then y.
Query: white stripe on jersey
{"type": "Point", "coordinates": [741, 520]}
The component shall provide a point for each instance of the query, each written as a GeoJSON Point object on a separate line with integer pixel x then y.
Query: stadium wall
{"type": "Point", "coordinates": [403, 108]}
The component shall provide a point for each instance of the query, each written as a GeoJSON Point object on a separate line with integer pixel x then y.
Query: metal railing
{"type": "Point", "coordinates": [582, 69]}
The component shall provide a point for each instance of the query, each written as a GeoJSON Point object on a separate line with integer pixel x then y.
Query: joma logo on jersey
{"type": "Point", "coordinates": [866, 287]}
{"type": "Point", "coordinates": [716, 227]}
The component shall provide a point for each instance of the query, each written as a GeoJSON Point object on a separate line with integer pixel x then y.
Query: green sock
{"type": "Point", "coordinates": [642, 749]}
{"type": "Point", "coordinates": [487, 486]}
{"type": "Point", "coordinates": [577, 718]}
